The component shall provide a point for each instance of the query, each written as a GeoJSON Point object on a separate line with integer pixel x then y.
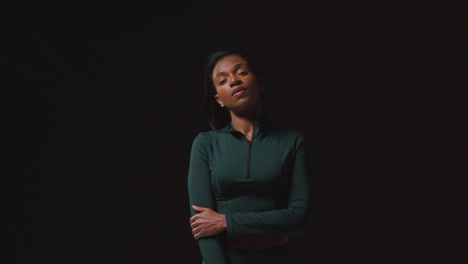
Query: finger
{"type": "Point", "coordinates": [193, 218]}
{"type": "Point", "coordinates": [194, 224]}
{"type": "Point", "coordinates": [198, 235]}
{"type": "Point", "coordinates": [198, 208]}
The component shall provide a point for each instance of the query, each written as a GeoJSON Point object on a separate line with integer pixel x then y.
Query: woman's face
{"type": "Point", "coordinates": [236, 85]}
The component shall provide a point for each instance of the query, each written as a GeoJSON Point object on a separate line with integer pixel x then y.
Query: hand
{"type": "Point", "coordinates": [206, 222]}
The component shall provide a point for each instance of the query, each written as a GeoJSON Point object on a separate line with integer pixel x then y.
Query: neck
{"type": "Point", "coordinates": [245, 123]}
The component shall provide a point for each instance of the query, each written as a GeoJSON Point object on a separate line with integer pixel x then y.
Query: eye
{"type": "Point", "coordinates": [222, 82]}
{"type": "Point", "coordinates": [243, 73]}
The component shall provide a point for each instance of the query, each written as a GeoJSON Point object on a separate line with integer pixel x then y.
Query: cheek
{"type": "Point", "coordinates": [224, 93]}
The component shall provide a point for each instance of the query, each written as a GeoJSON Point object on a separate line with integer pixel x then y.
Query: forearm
{"type": "Point", "coordinates": [275, 223]}
{"type": "Point", "coordinates": [212, 250]}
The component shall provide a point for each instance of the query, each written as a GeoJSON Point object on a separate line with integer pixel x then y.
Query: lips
{"type": "Point", "coordinates": [238, 90]}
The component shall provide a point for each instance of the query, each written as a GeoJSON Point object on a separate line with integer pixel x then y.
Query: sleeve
{"type": "Point", "coordinates": [200, 193]}
{"type": "Point", "coordinates": [288, 221]}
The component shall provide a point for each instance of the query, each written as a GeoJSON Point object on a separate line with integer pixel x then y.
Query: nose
{"type": "Point", "coordinates": [235, 80]}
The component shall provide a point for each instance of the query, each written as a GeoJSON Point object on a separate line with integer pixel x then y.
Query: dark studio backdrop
{"type": "Point", "coordinates": [110, 99]}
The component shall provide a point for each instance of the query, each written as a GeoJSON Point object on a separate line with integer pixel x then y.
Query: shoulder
{"type": "Point", "coordinates": [288, 133]}
{"type": "Point", "coordinates": [201, 143]}
{"type": "Point", "coordinates": [297, 134]}
{"type": "Point", "coordinates": [201, 138]}
{"type": "Point", "coordinates": [296, 137]}
{"type": "Point", "coordinates": [296, 141]}
{"type": "Point", "coordinates": [205, 138]}
{"type": "Point", "coordinates": [290, 138]}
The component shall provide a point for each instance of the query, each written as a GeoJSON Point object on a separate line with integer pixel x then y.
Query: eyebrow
{"type": "Point", "coordinates": [235, 67]}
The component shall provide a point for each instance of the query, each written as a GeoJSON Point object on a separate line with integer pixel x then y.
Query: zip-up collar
{"type": "Point", "coordinates": [261, 128]}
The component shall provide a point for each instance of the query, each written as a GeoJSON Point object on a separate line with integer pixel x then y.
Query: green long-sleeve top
{"type": "Point", "coordinates": [261, 186]}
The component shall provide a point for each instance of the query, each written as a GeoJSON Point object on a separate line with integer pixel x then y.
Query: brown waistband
{"type": "Point", "coordinates": [257, 242]}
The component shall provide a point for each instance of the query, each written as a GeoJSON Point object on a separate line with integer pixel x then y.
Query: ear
{"type": "Point", "coordinates": [218, 99]}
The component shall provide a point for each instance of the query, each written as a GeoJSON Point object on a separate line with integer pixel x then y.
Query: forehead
{"type": "Point", "coordinates": [228, 63]}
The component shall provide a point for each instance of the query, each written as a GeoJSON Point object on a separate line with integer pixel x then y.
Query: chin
{"type": "Point", "coordinates": [243, 106]}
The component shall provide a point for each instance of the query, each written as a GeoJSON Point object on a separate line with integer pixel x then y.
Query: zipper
{"type": "Point", "coordinates": [248, 158]}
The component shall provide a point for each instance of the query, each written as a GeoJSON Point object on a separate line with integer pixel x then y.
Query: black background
{"type": "Point", "coordinates": [107, 100]}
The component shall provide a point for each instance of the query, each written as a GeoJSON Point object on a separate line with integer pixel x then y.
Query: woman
{"type": "Point", "coordinates": [248, 180]}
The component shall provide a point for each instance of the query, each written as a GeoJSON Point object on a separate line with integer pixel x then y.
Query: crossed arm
{"type": "Point", "coordinates": [206, 223]}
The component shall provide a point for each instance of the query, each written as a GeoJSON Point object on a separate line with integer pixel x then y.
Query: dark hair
{"type": "Point", "coordinates": [218, 117]}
